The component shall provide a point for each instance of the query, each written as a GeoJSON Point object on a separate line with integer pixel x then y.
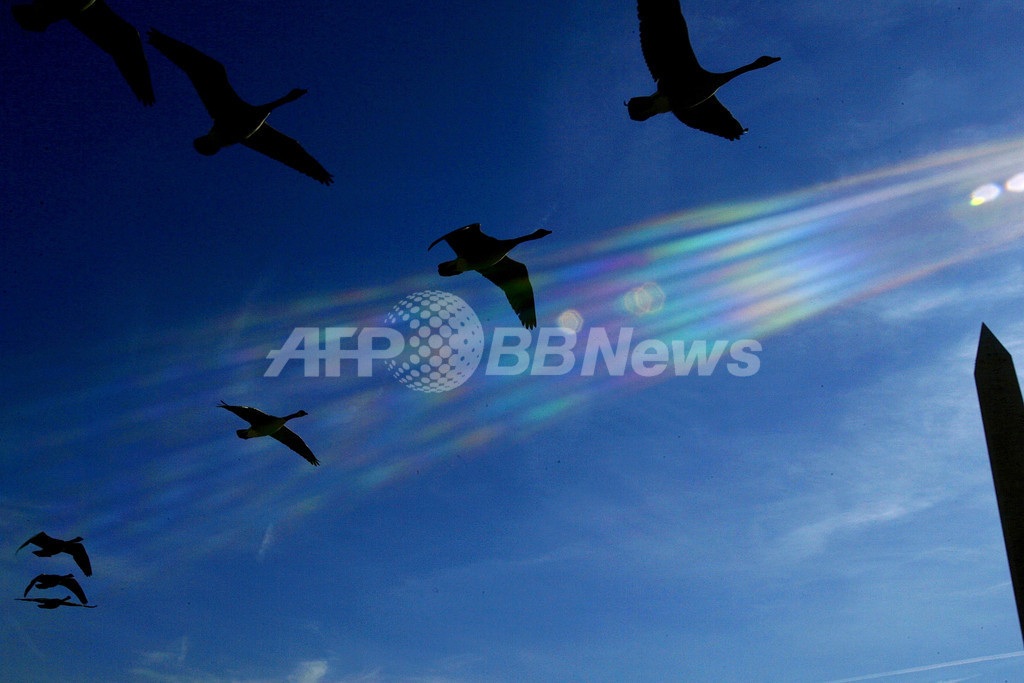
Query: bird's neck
{"type": "Point", "coordinates": [526, 238]}
{"type": "Point", "coordinates": [729, 75]}
{"type": "Point", "coordinates": [271, 106]}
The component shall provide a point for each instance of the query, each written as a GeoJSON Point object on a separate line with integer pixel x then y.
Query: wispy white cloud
{"type": "Point", "coordinates": [168, 666]}
{"type": "Point", "coordinates": [268, 540]}
{"type": "Point", "coordinates": [1005, 286]}
{"type": "Point", "coordinates": [174, 654]}
{"type": "Point", "coordinates": [812, 538]}
{"type": "Point", "coordinates": [924, 423]}
{"type": "Point", "coordinates": [309, 672]}
{"type": "Point", "coordinates": [931, 667]}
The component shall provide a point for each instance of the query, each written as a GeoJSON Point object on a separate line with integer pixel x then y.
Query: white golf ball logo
{"type": "Point", "coordinates": [444, 341]}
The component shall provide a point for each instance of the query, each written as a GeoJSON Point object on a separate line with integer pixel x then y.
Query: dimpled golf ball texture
{"type": "Point", "coordinates": [444, 341]}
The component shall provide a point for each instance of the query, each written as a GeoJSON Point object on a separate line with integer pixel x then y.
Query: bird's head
{"type": "Point", "coordinates": [206, 145]}
{"type": "Point", "coordinates": [301, 413]}
{"type": "Point", "coordinates": [765, 61]}
{"type": "Point", "coordinates": [76, 539]}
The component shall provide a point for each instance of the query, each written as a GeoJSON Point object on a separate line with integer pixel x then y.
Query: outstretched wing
{"type": "Point", "coordinates": [512, 277]}
{"type": "Point", "coordinates": [664, 39]}
{"type": "Point", "coordinates": [209, 76]}
{"type": "Point", "coordinates": [279, 146]}
{"type": "Point", "coordinates": [31, 584]}
{"type": "Point", "coordinates": [251, 415]}
{"type": "Point", "coordinates": [711, 116]}
{"type": "Point", "coordinates": [41, 601]}
{"type": "Point", "coordinates": [77, 551]}
{"type": "Point", "coordinates": [459, 238]}
{"type": "Point", "coordinates": [294, 442]}
{"type": "Point", "coordinates": [72, 585]}
{"type": "Point", "coordinates": [120, 40]}
{"type": "Point", "coordinates": [39, 539]}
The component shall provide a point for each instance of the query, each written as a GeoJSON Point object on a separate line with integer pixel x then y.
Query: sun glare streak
{"type": "Point", "coordinates": [733, 271]}
{"type": "Point", "coordinates": [756, 268]}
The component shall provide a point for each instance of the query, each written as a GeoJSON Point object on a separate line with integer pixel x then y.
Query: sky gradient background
{"type": "Point", "coordinates": [829, 518]}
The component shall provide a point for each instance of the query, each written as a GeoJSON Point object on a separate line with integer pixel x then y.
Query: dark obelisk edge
{"type": "Point", "coordinates": [1002, 413]}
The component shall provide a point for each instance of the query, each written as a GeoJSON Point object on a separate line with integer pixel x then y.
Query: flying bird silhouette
{"type": "Point", "coordinates": [234, 119]}
{"type": "Point", "coordinates": [685, 88]}
{"type": "Point", "coordinates": [44, 581]}
{"type": "Point", "coordinates": [101, 25]}
{"type": "Point", "coordinates": [486, 255]}
{"type": "Point", "coordinates": [49, 546]}
{"type": "Point", "coordinates": [261, 424]}
{"type": "Point", "coordinates": [54, 603]}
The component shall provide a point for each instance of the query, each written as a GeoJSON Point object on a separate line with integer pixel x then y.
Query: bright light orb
{"type": "Point", "coordinates": [571, 320]}
{"type": "Point", "coordinates": [1016, 183]}
{"type": "Point", "coordinates": [985, 193]}
{"type": "Point", "coordinates": [647, 298]}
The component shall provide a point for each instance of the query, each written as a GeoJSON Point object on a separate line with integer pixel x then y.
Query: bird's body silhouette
{"type": "Point", "coordinates": [49, 546]}
{"type": "Point", "coordinates": [234, 119]}
{"type": "Point", "coordinates": [44, 581]}
{"type": "Point", "coordinates": [101, 25]}
{"type": "Point", "coordinates": [488, 256]}
{"type": "Point", "coordinates": [261, 424]}
{"type": "Point", "coordinates": [54, 603]}
{"type": "Point", "coordinates": [685, 88]}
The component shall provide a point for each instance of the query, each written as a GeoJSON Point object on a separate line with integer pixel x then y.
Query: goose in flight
{"type": "Point", "coordinates": [101, 25]}
{"type": "Point", "coordinates": [54, 603]}
{"type": "Point", "coordinates": [684, 87]}
{"type": "Point", "coordinates": [234, 119]}
{"type": "Point", "coordinates": [44, 581]}
{"type": "Point", "coordinates": [486, 255]}
{"type": "Point", "coordinates": [49, 546]}
{"type": "Point", "coordinates": [261, 424]}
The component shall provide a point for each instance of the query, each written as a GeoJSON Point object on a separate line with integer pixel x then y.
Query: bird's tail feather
{"type": "Point", "coordinates": [29, 18]}
{"type": "Point", "coordinates": [449, 268]}
{"type": "Point", "coordinates": [641, 108]}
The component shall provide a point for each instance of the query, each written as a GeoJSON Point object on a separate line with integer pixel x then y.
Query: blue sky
{"type": "Point", "coordinates": [829, 518]}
